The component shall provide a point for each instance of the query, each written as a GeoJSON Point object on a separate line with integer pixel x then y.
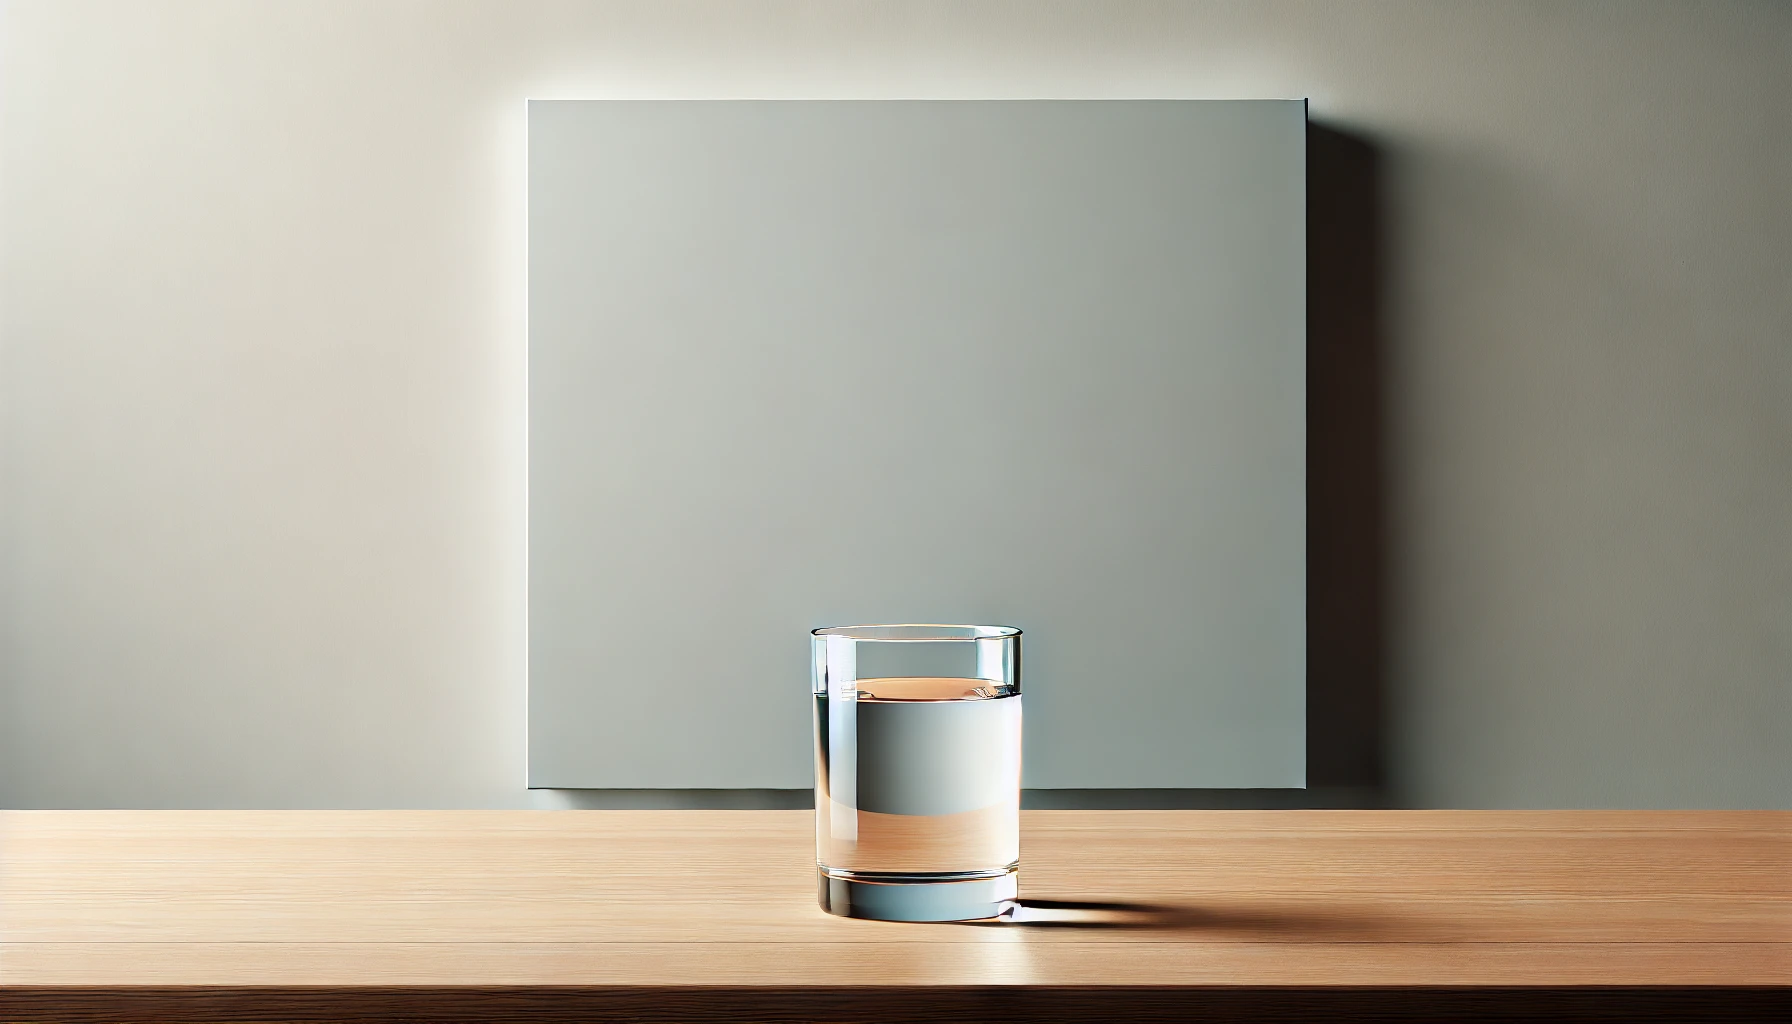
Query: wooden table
{"type": "Point", "coordinates": [710, 915]}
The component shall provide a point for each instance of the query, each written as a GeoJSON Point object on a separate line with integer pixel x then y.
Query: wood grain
{"type": "Point", "coordinates": [271, 915]}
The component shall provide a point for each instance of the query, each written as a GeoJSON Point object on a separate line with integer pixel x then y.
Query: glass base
{"type": "Point", "coordinates": [965, 896]}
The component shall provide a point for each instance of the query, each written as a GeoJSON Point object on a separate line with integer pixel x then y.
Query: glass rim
{"type": "Point", "coordinates": [918, 632]}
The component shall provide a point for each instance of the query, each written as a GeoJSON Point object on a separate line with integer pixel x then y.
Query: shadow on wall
{"type": "Point", "coordinates": [1347, 546]}
{"type": "Point", "coordinates": [1347, 541]}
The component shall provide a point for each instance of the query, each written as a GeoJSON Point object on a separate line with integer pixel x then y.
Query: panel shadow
{"type": "Point", "coordinates": [1347, 542]}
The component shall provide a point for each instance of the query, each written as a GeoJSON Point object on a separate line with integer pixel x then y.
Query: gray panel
{"type": "Point", "coordinates": [809, 363]}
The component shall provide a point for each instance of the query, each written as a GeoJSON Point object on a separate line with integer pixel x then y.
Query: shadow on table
{"type": "Point", "coordinates": [1084, 914]}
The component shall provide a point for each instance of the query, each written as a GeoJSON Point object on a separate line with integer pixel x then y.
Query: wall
{"type": "Point", "coordinates": [263, 395]}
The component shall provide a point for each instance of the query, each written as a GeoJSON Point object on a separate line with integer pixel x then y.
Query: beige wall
{"type": "Point", "coordinates": [261, 533]}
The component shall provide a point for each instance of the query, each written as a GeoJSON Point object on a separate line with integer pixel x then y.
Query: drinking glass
{"type": "Point", "coordinates": [917, 771]}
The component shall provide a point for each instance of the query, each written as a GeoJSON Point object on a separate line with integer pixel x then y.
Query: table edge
{"type": "Point", "coordinates": [877, 1004]}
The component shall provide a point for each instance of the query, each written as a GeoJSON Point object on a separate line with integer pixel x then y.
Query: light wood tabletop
{"type": "Point", "coordinates": [1169, 915]}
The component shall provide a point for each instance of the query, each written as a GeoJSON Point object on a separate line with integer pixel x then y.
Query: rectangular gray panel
{"type": "Point", "coordinates": [796, 364]}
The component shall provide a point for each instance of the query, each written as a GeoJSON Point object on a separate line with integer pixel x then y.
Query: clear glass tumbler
{"type": "Point", "coordinates": [917, 771]}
